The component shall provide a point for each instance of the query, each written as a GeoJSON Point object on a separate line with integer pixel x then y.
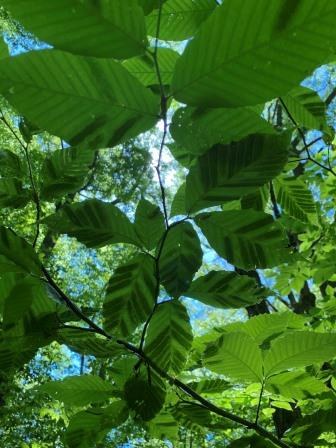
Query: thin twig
{"type": "Point", "coordinates": [259, 402]}
{"type": "Point", "coordinates": [302, 135]}
{"type": "Point", "coordinates": [36, 199]}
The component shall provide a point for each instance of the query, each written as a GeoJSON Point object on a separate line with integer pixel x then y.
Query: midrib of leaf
{"type": "Point", "coordinates": [251, 49]}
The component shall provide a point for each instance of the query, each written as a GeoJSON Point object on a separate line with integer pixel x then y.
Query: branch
{"type": "Point", "coordinates": [302, 135]}
{"type": "Point", "coordinates": [162, 373]}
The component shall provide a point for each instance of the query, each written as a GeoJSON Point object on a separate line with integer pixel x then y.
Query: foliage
{"type": "Point", "coordinates": [167, 234]}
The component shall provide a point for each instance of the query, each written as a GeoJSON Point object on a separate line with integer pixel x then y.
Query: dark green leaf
{"type": "Point", "coordinates": [67, 95]}
{"type": "Point", "coordinates": [247, 54]}
{"type": "Point", "coordinates": [12, 193]}
{"type": "Point", "coordinates": [169, 336]}
{"type": "Point", "coordinates": [197, 130]}
{"type": "Point", "coordinates": [149, 223]}
{"type": "Point", "coordinates": [130, 295]}
{"type": "Point", "coordinates": [246, 238]}
{"type": "Point", "coordinates": [94, 223]}
{"type": "Point", "coordinates": [229, 172]}
{"type": "Point", "coordinates": [180, 19]}
{"type": "Point", "coordinates": [181, 257]}
{"type": "Point", "coordinates": [101, 29]}
{"type": "Point", "coordinates": [226, 290]}
{"type": "Point", "coordinates": [65, 171]}
{"type": "Point", "coordinates": [145, 394]}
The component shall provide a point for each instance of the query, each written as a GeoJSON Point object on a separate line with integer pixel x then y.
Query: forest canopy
{"type": "Point", "coordinates": [167, 233]}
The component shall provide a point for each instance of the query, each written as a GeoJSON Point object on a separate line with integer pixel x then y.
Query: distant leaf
{"type": "Point", "coordinates": [65, 171]}
{"type": "Point", "coordinates": [94, 223]}
{"type": "Point", "coordinates": [88, 427]}
{"type": "Point", "coordinates": [197, 130]}
{"type": "Point", "coordinates": [79, 390]}
{"type": "Point", "coordinates": [12, 193]}
{"type": "Point", "coordinates": [180, 19]}
{"type": "Point", "coordinates": [295, 198]}
{"type": "Point", "coordinates": [169, 336]}
{"type": "Point", "coordinates": [246, 238]}
{"type": "Point", "coordinates": [67, 96]}
{"type": "Point", "coordinates": [130, 295]}
{"type": "Point", "coordinates": [235, 355]}
{"type": "Point", "coordinates": [178, 205]}
{"type": "Point", "coordinates": [307, 108]}
{"type": "Point", "coordinates": [149, 223]}
{"type": "Point", "coordinates": [143, 67]}
{"type": "Point", "coordinates": [226, 290]}
{"type": "Point", "coordinates": [244, 62]}
{"type": "Point", "coordinates": [229, 172]}
{"type": "Point", "coordinates": [16, 255]}
{"type": "Point", "coordinates": [180, 258]}
{"type": "Point", "coordinates": [101, 29]}
{"type": "Point", "coordinates": [145, 397]}
{"type": "Point", "coordinates": [297, 385]}
{"type": "Point", "coordinates": [299, 349]}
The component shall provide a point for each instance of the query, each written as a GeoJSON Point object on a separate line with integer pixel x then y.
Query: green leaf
{"type": "Point", "coordinates": [145, 394]}
{"type": "Point", "coordinates": [307, 108]}
{"type": "Point", "coordinates": [249, 54]}
{"type": "Point", "coordinates": [178, 204]}
{"type": "Point", "coordinates": [89, 102]}
{"type": "Point", "coordinates": [130, 295]}
{"type": "Point", "coordinates": [169, 336]}
{"type": "Point", "coordinates": [149, 223]}
{"type": "Point", "coordinates": [64, 171]}
{"type": "Point", "coordinates": [94, 223]}
{"type": "Point", "coordinates": [12, 193]}
{"type": "Point", "coordinates": [11, 165]}
{"type": "Point", "coordinates": [254, 441]}
{"type": "Point", "coordinates": [164, 426]}
{"type": "Point", "coordinates": [296, 385]}
{"type": "Point", "coordinates": [257, 200]}
{"type": "Point", "coordinates": [192, 415]}
{"type": "Point", "coordinates": [226, 290]}
{"type": "Point", "coordinates": [180, 19]}
{"type": "Point", "coordinates": [265, 327]}
{"type": "Point", "coordinates": [209, 386]}
{"type": "Point", "coordinates": [87, 343]}
{"type": "Point", "coordinates": [245, 238]}
{"type": "Point", "coordinates": [198, 129]}
{"type": "Point", "coordinates": [143, 67]}
{"type": "Point", "coordinates": [225, 173]}
{"type": "Point", "coordinates": [295, 198]}
{"type": "Point", "coordinates": [180, 258]}
{"type": "Point", "coordinates": [102, 29]}
{"type": "Point", "coordinates": [299, 349]}
{"type": "Point", "coordinates": [306, 430]}
{"type": "Point", "coordinates": [79, 390]}
{"type": "Point", "coordinates": [16, 255]}
{"type": "Point", "coordinates": [88, 427]}
{"type": "Point", "coordinates": [235, 355]}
